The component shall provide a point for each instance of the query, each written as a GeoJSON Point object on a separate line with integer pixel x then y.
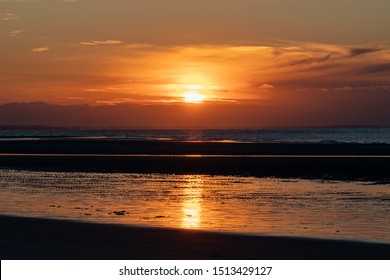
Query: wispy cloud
{"type": "Point", "coordinates": [232, 72]}
{"type": "Point", "coordinates": [266, 87]}
{"type": "Point", "coordinates": [377, 68]}
{"type": "Point", "coordinates": [365, 88]}
{"type": "Point", "coordinates": [138, 46]}
{"type": "Point", "coordinates": [16, 32]}
{"type": "Point", "coordinates": [9, 16]}
{"type": "Point", "coordinates": [39, 50]}
{"type": "Point", "coordinates": [345, 88]}
{"type": "Point", "coordinates": [361, 51]}
{"type": "Point", "coordinates": [311, 60]}
{"type": "Point", "coordinates": [114, 101]}
{"type": "Point", "coordinates": [98, 43]}
{"type": "Point", "coordinates": [314, 89]}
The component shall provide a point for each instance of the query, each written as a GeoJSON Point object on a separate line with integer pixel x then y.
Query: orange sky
{"type": "Point", "coordinates": [277, 53]}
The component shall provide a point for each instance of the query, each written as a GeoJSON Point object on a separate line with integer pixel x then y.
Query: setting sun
{"type": "Point", "coordinates": [193, 97]}
{"type": "Point", "coordinates": [192, 93]}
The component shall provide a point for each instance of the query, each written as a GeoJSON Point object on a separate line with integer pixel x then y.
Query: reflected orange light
{"type": "Point", "coordinates": [192, 204]}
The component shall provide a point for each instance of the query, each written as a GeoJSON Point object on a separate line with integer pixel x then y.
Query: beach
{"type": "Point", "coordinates": [32, 238]}
{"type": "Point", "coordinates": [209, 130]}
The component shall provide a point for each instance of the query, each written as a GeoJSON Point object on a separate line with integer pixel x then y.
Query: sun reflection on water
{"type": "Point", "coordinates": [192, 203]}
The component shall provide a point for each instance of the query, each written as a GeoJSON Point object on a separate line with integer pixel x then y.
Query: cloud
{"type": "Point", "coordinates": [266, 87]}
{"type": "Point", "coordinates": [98, 43]}
{"type": "Point", "coordinates": [16, 32]}
{"type": "Point", "coordinates": [360, 51]}
{"type": "Point", "coordinates": [9, 16]}
{"type": "Point", "coordinates": [365, 88]}
{"type": "Point", "coordinates": [322, 89]}
{"type": "Point", "coordinates": [345, 88]}
{"type": "Point", "coordinates": [39, 50]}
{"type": "Point", "coordinates": [232, 72]}
{"type": "Point", "coordinates": [377, 69]}
{"type": "Point", "coordinates": [375, 88]}
{"type": "Point", "coordinates": [138, 46]}
{"type": "Point", "coordinates": [310, 66]}
{"type": "Point", "coordinates": [311, 60]}
{"type": "Point", "coordinates": [115, 101]}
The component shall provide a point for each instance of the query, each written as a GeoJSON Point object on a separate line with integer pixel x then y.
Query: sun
{"type": "Point", "coordinates": [192, 95]}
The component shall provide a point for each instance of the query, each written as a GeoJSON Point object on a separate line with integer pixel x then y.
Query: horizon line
{"type": "Point", "coordinates": [45, 127]}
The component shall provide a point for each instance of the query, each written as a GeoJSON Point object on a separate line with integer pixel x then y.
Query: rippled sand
{"type": "Point", "coordinates": [334, 209]}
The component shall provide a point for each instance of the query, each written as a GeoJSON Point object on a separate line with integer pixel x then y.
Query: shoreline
{"type": "Point", "coordinates": [38, 238]}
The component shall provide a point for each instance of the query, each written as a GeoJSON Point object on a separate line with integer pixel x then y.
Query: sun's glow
{"type": "Point", "coordinates": [193, 87]}
{"type": "Point", "coordinates": [192, 96]}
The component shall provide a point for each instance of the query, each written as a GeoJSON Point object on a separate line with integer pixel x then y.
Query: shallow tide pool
{"type": "Point", "coordinates": [315, 208]}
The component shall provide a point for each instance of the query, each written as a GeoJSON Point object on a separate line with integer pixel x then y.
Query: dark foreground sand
{"type": "Point", "coordinates": [33, 238]}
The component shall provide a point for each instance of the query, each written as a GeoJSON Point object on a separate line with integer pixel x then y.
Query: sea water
{"type": "Point", "coordinates": [260, 206]}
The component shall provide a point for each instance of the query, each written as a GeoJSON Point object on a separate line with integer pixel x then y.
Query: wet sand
{"type": "Point", "coordinates": [293, 160]}
{"type": "Point", "coordinates": [34, 238]}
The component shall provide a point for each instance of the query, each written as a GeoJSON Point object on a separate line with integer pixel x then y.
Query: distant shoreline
{"type": "Point", "coordinates": [43, 127]}
{"type": "Point", "coordinates": [37, 238]}
{"type": "Point", "coordinates": [80, 145]}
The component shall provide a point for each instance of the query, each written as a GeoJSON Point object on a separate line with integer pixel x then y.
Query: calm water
{"type": "Point", "coordinates": [332, 209]}
{"type": "Point", "coordinates": [307, 135]}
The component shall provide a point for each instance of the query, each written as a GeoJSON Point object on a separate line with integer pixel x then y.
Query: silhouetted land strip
{"type": "Point", "coordinates": [119, 146]}
{"type": "Point", "coordinates": [286, 165]}
{"type": "Point", "coordinates": [34, 238]}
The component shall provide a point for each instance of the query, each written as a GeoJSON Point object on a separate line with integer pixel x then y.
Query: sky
{"type": "Point", "coordinates": [289, 62]}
